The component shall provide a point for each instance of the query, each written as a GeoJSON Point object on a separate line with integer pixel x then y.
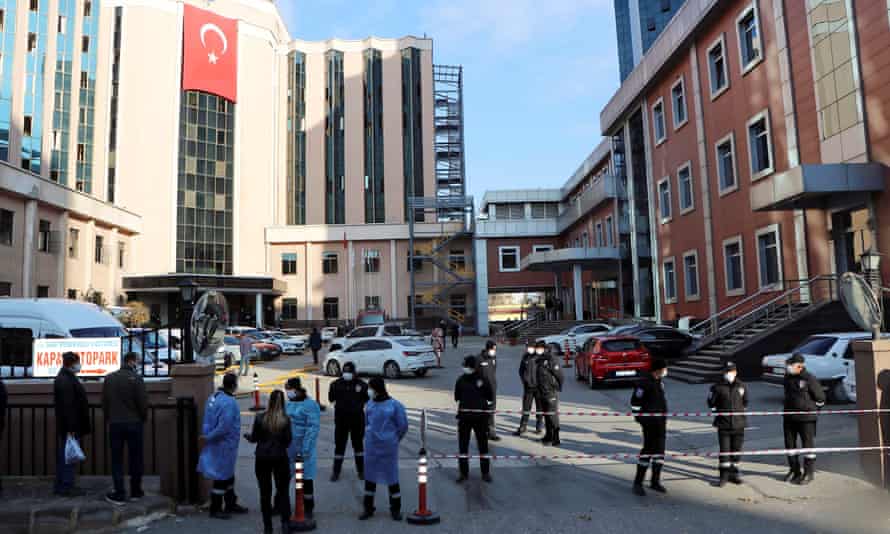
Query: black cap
{"type": "Point", "coordinates": [293, 383]}
{"type": "Point", "coordinates": [349, 367]}
{"type": "Point", "coordinates": [378, 385]}
{"type": "Point", "coordinates": [470, 361]}
{"type": "Point", "coordinates": [230, 381]}
{"type": "Point", "coordinates": [490, 344]}
{"type": "Point", "coordinates": [729, 366]}
{"type": "Point", "coordinates": [540, 345]}
{"type": "Point", "coordinates": [795, 358]}
{"type": "Point", "coordinates": [658, 364]}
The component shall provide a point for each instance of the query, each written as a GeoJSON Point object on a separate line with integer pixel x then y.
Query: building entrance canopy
{"type": "Point", "coordinates": [817, 186]}
{"type": "Point", "coordinates": [601, 261]}
{"type": "Point", "coordinates": [167, 283]}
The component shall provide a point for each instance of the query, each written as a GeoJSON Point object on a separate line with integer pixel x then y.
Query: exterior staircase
{"type": "Point", "coordinates": [546, 328]}
{"type": "Point", "coordinates": [763, 323]}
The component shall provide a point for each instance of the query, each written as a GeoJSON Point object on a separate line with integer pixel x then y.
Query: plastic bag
{"type": "Point", "coordinates": [73, 452]}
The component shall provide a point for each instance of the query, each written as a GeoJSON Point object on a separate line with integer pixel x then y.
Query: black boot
{"type": "Point", "coordinates": [638, 480]}
{"type": "Point", "coordinates": [538, 424]}
{"type": "Point", "coordinates": [548, 434]}
{"type": "Point", "coordinates": [655, 484]}
{"type": "Point", "coordinates": [734, 475]}
{"type": "Point", "coordinates": [556, 441]}
{"type": "Point", "coordinates": [368, 508]}
{"type": "Point", "coordinates": [309, 505]}
{"type": "Point", "coordinates": [216, 501]}
{"type": "Point", "coordinates": [724, 477]}
{"type": "Point", "coordinates": [267, 526]}
{"type": "Point", "coordinates": [522, 428]}
{"type": "Point", "coordinates": [809, 471]}
{"type": "Point", "coordinates": [360, 466]}
{"type": "Point", "coordinates": [793, 475]}
{"type": "Point", "coordinates": [232, 506]}
{"type": "Point", "coordinates": [338, 466]}
{"type": "Point", "coordinates": [395, 508]}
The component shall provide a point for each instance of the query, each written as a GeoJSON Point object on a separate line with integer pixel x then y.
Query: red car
{"type": "Point", "coordinates": [612, 358]}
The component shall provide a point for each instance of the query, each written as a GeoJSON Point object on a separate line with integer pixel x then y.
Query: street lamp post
{"type": "Point", "coordinates": [871, 267]}
{"type": "Point", "coordinates": [187, 291]}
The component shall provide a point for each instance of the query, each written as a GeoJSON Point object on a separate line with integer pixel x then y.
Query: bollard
{"type": "Point", "coordinates": [299, 522]}
{"type": "Point", "coordinates": [256, 395]}
{"type": "Point", "coordinates": [423, 515]}
{"type": "Point", "coordinates": [321, 406]}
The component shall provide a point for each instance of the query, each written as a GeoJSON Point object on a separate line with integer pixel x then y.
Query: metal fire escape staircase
{"type": "Point", "coordinates": [728, 333]}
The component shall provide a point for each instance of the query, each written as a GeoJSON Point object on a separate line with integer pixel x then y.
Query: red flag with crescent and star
{"type": "Point", "coordinates": [209, 53]}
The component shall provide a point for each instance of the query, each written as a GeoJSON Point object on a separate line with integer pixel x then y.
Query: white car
{"type": "Point", "coordinates": [828, 358]}
{"type": "Point", "coordinates": [377, 330]}
{"type": "Point", "coordinates": [156, 343]}
{"type": "Point", "coordinates": [287, 343]}
{"type": "Point", "coordinates": [850, 382]}
{"type": "Point", "coordinates": [328, 333]}
{"type": "Point", "coordinates": [388, 356]}
{"type": "Point", "coordinates": [576, 336]}
{"type": "Point", "coordinates": [232, 346]}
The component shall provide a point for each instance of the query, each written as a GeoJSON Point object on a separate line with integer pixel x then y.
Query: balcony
{"type": "Point", "coordinates": [817, 186]}
{"type": "Point", "coordinates": [603, 261]}
{"type": "Point", "coordinates": [603, 189]}
{"type": "Point", "coordinates": [516, 228]}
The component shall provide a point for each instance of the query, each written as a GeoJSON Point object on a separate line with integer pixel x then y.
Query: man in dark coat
{"type": "Point", "coordinates": [548, 380]}
{"type": "Point", "coordinates": [125, 406]}
{"type": "Point", "coordinates": [528, 376]}
{"type": "Point", "coordinates": [315, 344]}
{"type": "Point", "coordinates": [803, 393]}
{"type": "Point", "coordinates": [488, 368]}
{"type": "Point", "coordinates": [649, 398]}
{"type": "Point", "coordinates": [72, 419]}
{"type": "Point", "coordinates": [729, 395]}
{"type": "Point", "coordinates": [472, 392]}
{"type": "Point", "coordinates": [349, 394]}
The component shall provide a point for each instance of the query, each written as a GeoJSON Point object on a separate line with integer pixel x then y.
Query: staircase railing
{"type": "Point", "coordinates": [764, 304]}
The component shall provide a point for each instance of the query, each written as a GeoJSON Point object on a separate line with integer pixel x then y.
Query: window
{"type": "Point", "coordinates": [726, 172]}
{"type": "Point", "coordinates": [84, 81]}
{"type": "Point", "coordinates": [73, 243]}
{"type": "Point", "coordinates": [60, 25]}
{"type": "Point", "coordinates": [684, 184]}
{"type": "Point", "coordinates": [27, 127]}
{"type": "Point", "coordinates": [543, 210]}
{"type": "Point", "coordinates": [585, 239]}
{"type": "Point", "coordinates": [42, 292]}
{"type": "Point", "coordinates": [5, 227]}
{"type": "Point", "coordinates": [658, 126]}
{"type": "Point", "coordinates": [749, 39]}
{"type": "Point", "coordinates": [416, 260]}
{"type": "Point", "coordinates": [372, 260]}
{"type": "Point", "coordinates": [87, 8]}
{"type": "Point", "coordinates": [43, 235]}
{"type": "Point", "coordinates": [665, 6]}
{"type": "Point", "coordinates": [289, 263]}
{"type": "Point", "coordinates": [510, 211]}
{"type": "Point", "coordinates": [72, 294]}
{"type": "Point", "coordinates": [372, 302]}
{"type": "Point", "coordinates": [678, 102]}
{"type": "Point", "coordinates": [542, 248]}
{"type": "Point", "coordinates": [458, 304]}
{"type": "Point", "coordinates": [717, 68]}
{"type": "Point", "coordinates": [670, 281]}
{"type": "Point", "coordinates": [733, 263]}
{"type": "Point", "coordinates": [508, 258]}
{"type": "Point", "coordinates": [331, 308]}
{"type": "Point", "coordinates": [769, 257]}
{"type": "Point", "coordinates": [99, 253]}
{"type": "Point", "coordinates": [121, 254]}
{"type": "Point", "coordinates": [418, 310]}
{"type": "Point", "coordinates": [610, 236]}
{"type": "Point", "coordinates": [288, 309]}
{"type": "Point", "coordinates": [85, 44]}
{"type": "Point", "coordinates": [457, 260]}
{"type": "Point", "coordinates": [664, 198]}
{"type": "Point", "coordinates": [760, 146]}
{"type": "Point", "coordinates": [329, 262]}
{"type": "Point", "coordinates": [650, 24]}
{"type": "Point", "coordinates": [690, 275]}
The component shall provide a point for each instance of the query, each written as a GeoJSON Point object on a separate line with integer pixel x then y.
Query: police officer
{"type": "Point", "coordinates": [729, 395]}
{"type": "Point", "coordinates": [527, 374]}
{"type": "Point", "coordinates": [349, 395]}
{"type": "Point", "coordinates": [488, 368]}
{"type": "Point", "coordinates": [803, 393]}
{"type": "Point", "coordinates": [648, 397]}
{"type": "Point", "coordinates": [548, 377]}
{"type": "Point", "coordinates": [472, 392]}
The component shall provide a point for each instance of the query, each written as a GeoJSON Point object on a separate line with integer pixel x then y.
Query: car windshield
{"type": "Point", "coordinates": [567, 331]}
{"type": "Point", "coordinates": [621, 345]}
{"type": "Point", "coordinates": [816, 345]}
{"type": "Point", "coordinates": [623, 329]}
{"type": "Point", "coordinates": [410, 342]}
{"type": "Point", "coordinates": [99, 331]}
{"type": "Point", "coordinates": [230, 340]}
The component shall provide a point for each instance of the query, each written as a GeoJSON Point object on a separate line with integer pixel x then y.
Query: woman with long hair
{"type": "Point", "coordinates": [272, 434]}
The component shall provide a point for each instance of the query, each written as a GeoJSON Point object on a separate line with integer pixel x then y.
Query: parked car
{"type": "Point", "coordinates": [576, 336]}
{"type": "Point", "coordinates": [266, 351]}
{"type": "Point", "coordinates": [287, 343]}
{"type": "Point", "coordinates": [828, 357]}
{"type": "Point", "coordinates": [387, 356]}
{"type": "Point", "coordinates": [239, 331]}
{"type": "Point", "coordinates": [850, 382]}
{"type": "Point", "coordinates": [370, 317]}
{"type": "Point", "coordinates": [364, 332]}
{"type": "Point", "coordinates": [328, 333]}
{"type": "Point", "coordinates": [661, 341]}
{"type": "Point", "coordinates": [611, 358]}
{"type": "Point", "coordinates": [231, 346]}
{"type": "Point", "coordinates": [156, 343]}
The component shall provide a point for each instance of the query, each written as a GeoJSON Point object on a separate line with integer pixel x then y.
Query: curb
{"type": "Point", "coordinates": [97, 516]}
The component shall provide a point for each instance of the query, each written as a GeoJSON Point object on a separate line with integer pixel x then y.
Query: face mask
{"type": "Point", "coordinates": [469, 370]}
{"type": "Point", "coordinates": [491, 352]}
{"type": "Point", "coordinates": [371, 393]}
{"type": "Point", "coordinates": [291, 394]}
{"type": "Point", "coordinates": [790, 369]}
{"type": "Point", "coordinates": [664, 373]}
{"type": "Point", "coordinates": [75, 368]}
{"type": "Point", "coordinates": [539, 351]}
{"type": "Point", "coordinates": [530, 350]}
{"type": "Point", "coordinates": [347, 376]}
{"type": "Point", "coordinates": [730, 377]}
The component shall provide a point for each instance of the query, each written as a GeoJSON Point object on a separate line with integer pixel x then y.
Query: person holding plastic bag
{"type": "Point", "coordinates": [221, 433]}
{"type": "Point", "coordinates": [72, 423]}
{"type": "Point", "coordinates": [385, 426]}
{"type": "Point", "coordinates": [305, 420]}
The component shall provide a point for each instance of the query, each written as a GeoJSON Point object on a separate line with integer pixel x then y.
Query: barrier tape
{"type": "Point", "coordinates": [670, 414]}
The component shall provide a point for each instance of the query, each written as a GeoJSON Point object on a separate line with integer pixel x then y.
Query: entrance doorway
{"type": "Point", "coordinates": [852, 236]}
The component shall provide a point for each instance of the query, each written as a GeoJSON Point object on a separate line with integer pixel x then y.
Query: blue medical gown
{"type": "Point", "coordinates": [222, 433]}
{"type": "Point", "coordinates": [305, 418]}
{"type": "Point", "coordinates": [385, 426]}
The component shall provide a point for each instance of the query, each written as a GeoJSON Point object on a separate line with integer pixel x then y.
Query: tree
{"type": "Point", "coordinates": [137, 314]}
{"type": "Point", "coordinates": [94, 297]}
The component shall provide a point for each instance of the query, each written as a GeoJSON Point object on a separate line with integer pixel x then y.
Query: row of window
{"type": "Point", "coordinates": [767, 242]}
{"type": "Point", "coordinates": [760, 150]}
{"type": "Point", "coordinates": [371, 262]}
{"type": "Point", "coordinates": [509, 257]}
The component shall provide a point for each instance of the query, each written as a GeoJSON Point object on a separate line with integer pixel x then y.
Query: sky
{"type": "Point", "coordinates": [536, 73]}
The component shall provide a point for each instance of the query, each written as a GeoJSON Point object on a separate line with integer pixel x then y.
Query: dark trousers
{"type": "Point", "coordinates": [528, 395]}
{"type": "Point", "coordinates": [806, 432]}
{"type": "Point", "coordinates": [64, 472]}
{"type": "Point", "coordinates": [220, 491]}
{"type": "Point", "coordinates": [129, 434]}
{"type": "Point", "coordinates": [654, 435]}
{"type": "Point", "coordinates": [478, 426]}
{"type": "Point", "coordinates": [315, 356]}
{"type": "Point", "coordinates": [395, 496]}
{"type": "Point", "coordinates": [454, 339]}
{"type": "Point", "coordinates": [349, 428]}
{"type": "Point", "coordinates": [549, 402]}
{"type": "Point", "coordinates": [492, 429]}
{"type": "Point", "coordinates": [730, 441]}
{"type": "Point", "coordinates": [267, 470]}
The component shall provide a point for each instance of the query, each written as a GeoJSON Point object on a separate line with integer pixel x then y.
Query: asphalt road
{"type": "Point", "coordinates": [593, 495]}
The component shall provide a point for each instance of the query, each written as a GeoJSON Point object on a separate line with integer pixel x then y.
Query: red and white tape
{"type": "Point", "coordinates": [671, 414]}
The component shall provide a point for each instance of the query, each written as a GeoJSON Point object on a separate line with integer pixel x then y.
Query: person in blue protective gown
{"type": "Point", "coordinates": [221, 434]}
{"type": "Point", "coordinates": [305, 416]}
{"type": "Point", "coordinates": [385, 426]}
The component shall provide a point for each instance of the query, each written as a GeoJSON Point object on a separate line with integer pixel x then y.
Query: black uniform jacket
{"type": "Point", "coordinates": [726, 397]}
{"type": "Point", "coordinates": [549, 375]}
{"type": "Point", "coordinates": [648, 397]}
{"type": "Point", "coordinates": [803, 392]}
{"type": "Point", "coordinates": [473, 392]}
{"type": "Point", "coordinates": [488, 366]}
{"type": "Point", "coordinates": [348, 397]}
{"type": "Point", "coordinates": [528, 372]}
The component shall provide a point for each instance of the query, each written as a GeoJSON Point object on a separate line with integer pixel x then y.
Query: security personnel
{"type": "Point", "coordinates": [648, 397]}
{"type": "Point", "coordinates": [472, 392]}
{"type": "Point", "coordinates": [488, 368]}
{"type": "Point", "coordinates": [527, 374]}
{"type": "Point", "coordinates": [803, 393]}
{"type": "Point", "coordinates": [348, 394]}
{"type": "Point", "coordinates": [548, 377]}
{"type": "Point", "coordinates": [729, 395]}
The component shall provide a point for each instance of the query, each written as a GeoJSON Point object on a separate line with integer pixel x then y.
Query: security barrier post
{"type": "Point", "coordinates": [256, 395]}
{"type": "Point", "coordinates": [299, 522]}
{"type": "Point", "coordinates": [423, 515]}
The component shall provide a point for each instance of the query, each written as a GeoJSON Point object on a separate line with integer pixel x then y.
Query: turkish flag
{"type": "Point", "coordinates": [209, 53]}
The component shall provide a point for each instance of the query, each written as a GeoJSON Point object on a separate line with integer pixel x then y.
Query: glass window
{"type": "Point", "coordinates": [690, 274]}
{"type": "Point", "coordinates": [749, 38]}
{"type": "Point", "coordinates": [542, 248]}
{"type": "Point", "coordinates": [760, 146]}
{"type": "Point", "coordinates": [100, 250]}
{"type": "Point", "coordinates": [508, 259]}
{"type": "Point", "coordinates": [329, 263]}
{"type": "Point", "coordinates": [610, 236]}
{"type": "Point", "coordinates": [414, 261]}
{"type": "Point", "coordinates": [73, 243]}
{"type": "Point", "coordinates": [670, 282]}
{"type": "Point", "coordinates": [289, 308]}
{"type": "Point", "coordinates": [72, 294]}
{"type": "Point", "coordinates": [664, 199]}
{"type": "Point", "coordinates": [42, 292]}
{"type": "Point", "coordinates": [457, 260]}
{"type": "Point", "coordinates": [769, 257]}
{"type": "Point", "coordinates": [726, 164]}
{"type": "Point", "coordinates": [43, 236]}
{"type": "Point", "coordinates": [289, 263]}
{"type": "Point", "coordinates": [678, 101]}
{"type": "Point", "coordinates": [372, 261]}
{"type": "Point", "coordinates": [658, 121]}
{"type": "Point", "coordinates": [621, 345]}
{"type": "Point", "coordinates": [684, 182]}
{"type": "Point", "coordinates": [373, 112]}
{"type": "Point", "coordinates": [121, 254]}
{"type": "Point", "coordinates": [331, 308]}
{"type": "Point", "coordinates": [816, 345]}
{"type": "Point", "coordinates": [412, 127]}
{"type": "Point", "coordinates": [364, 331]}
{"type": "Point", "coordinates": [733, 262]}
{"type": "Point", "coordinates": [717, 68]}
{"type": "Point", "coordinates": [372, 302]}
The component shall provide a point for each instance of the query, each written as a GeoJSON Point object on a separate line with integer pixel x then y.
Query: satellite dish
{"type": "Point", "coordinates": [861, 303]}
{"type": "Point", "coordinates": [210, 318]}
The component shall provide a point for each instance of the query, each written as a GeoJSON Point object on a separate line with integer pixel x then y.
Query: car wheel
{"type": "Point", "coordinates": [333, 368]}
{"type": "Point", "coordinates": [578, 371]}
{"type": "Point", "coordinates": [421, 372]}
{"type": "Point", "coordinates": [591, 381]}
{"type": "Point", "coordinates": [837, 393]}
{"type": "Point", "coordinates": [391, 370]}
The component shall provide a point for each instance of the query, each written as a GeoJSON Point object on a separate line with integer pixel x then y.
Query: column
{"type": "Point", "coordinates": [578, 291]}
{"type": "Point", "coordinates": [89, 258]}
{"type": "Point", "coordinates": [28, 245]}
{"type": "Point", "coordinates": [481, 255]}
{"type": "Point", "coordinates": [393, 280]}
{"type": "Point", "coordinates": [63, 256]}
{"type": "Point", "coordinates": [113, 267]}
{"type": "Point", "coordinates": [259, 310]}
{"type": "Point", "coordinates": [308, 271]}
{"type": "Point", "coordinates": [350, 282]}
{"type": "Point", "coordinates": [557, 310]}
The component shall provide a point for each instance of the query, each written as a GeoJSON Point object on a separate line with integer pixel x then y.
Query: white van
{"type": "Point", "coordinates": [23, 320]}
